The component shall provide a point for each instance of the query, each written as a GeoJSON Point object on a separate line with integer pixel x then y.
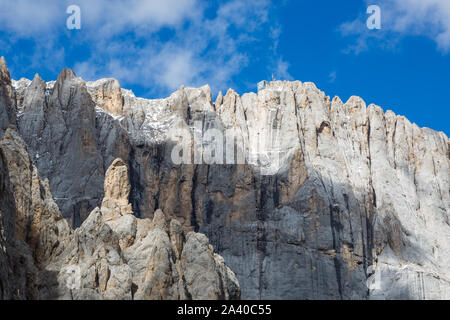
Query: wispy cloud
{"type": "Point", "coordinates": [401, 18]}
{"type": "Point", "coordinates": [202, 42]}
{"type": "Point", "coordinates": [207, 50]}
{"type": "Point", "coordinates": [332, 76]}
{"type": "Point", "coordinates": [33, 18]}
{"type": "Point", "coordinates": [281, 70]}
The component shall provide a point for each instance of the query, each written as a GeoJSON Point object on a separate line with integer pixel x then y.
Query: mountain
{"type": "Point", "coordinates": [112, 255]}
{"type": "Point", "coordinates": [304, 197]}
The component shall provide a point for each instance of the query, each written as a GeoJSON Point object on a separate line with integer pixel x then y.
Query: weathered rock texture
{"type": "Point", "coordinates": [69, 142]}
{"type": "Point", "coordinates": [345, 193]}
{"type": "Point", "coordinates": [7, 104]}
{"type": "Point", "coordinates": [112, 255]}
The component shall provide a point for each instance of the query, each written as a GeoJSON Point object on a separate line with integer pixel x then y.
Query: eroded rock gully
{"type": "Point", "coordinates": [357, 194]}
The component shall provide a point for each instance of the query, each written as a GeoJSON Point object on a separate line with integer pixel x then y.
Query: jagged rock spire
{"type": "Point", "coordinates": [7, 101]}
{"type": "Point", "coordinates": [3, 66]}
{"type": "Point", "coordinates": [117, 190]}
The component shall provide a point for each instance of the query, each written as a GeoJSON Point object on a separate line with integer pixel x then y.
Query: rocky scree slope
{"type": "Point", "coordinates": [357, 193]}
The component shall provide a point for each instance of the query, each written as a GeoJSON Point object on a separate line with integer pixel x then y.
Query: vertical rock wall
{"type": "Point", "coordinates": [355, 193]}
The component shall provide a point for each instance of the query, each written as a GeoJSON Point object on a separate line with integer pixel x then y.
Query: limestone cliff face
{"type": "Point", "coordinates": [7, 104]}
{"type": "Point", "coordinates": [330, 196]}
{"type": "Point", "coordinates": [113, 255]}
{"type": "Point", "coordinates": [122, 257]}
{"type": "Point", "coordinates": [357, 195]}
{"type": "Point", "coordinates": [58, 122]}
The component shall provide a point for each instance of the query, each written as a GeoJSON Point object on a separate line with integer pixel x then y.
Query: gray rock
{"type": "Point", "coordinates": [333, 194]}
{"type": "Point", "coordinates": [70, 141]}
{"type": "Point", "coordinates": [7, 98]}
{"type": "Point", "coordinates": [112, 255]}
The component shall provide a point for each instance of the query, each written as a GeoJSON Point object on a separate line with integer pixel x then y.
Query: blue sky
{"type": "Point", "coordinates": [153, 47]}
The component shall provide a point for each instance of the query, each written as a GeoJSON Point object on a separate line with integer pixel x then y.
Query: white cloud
{"type": "Point", "coordinates": [123, 39]}
{"type": "Point", "coordinates": [281, 71]}
{"type": "Point", "coordinates": [206, 51]}
{"type": "Point", "coordinates": [332, 76]}
{"type": "Point", "coordinates": [400, 18]}
{"type": "Point", "coordinates": [111, 17]}
{"type": "Point", "coordinates": [33, 18]}
{"type": "Point", "coordinates": [178, 68]}
{"type": "Point", "coordinates": [27, 18]}
{"type": "Point", "coordinates": [237, 12]}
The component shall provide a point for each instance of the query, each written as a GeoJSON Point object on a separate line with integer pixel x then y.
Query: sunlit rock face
{"type": "Point", "coordinates": [319, 199]}
{"type": "Point", "coordinates": [112, 255]}
{"type": "Point", "coordinates": [7, 103]}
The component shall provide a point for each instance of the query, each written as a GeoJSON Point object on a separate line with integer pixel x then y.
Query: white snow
{"type": "Point", "coordinates": [115, 117]}
{"type": "Point", "coordinates": [20, 84]}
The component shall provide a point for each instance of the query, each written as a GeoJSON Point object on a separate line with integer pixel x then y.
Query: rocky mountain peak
{"type": "Point", "coordinates": [110, 256]}
{"type": "Point", "coordinates": [107, 95]}
{"type": "Point", "coordinates": [7, 103]}
{"type": "Point", "coordinates": [219, 99]}
{"type": "Point", "coordinates": [66, 74]}
{"type": "Point", "coordinates": [326, 196]}
{"type": "Point", "coordinates": [4, 69]}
